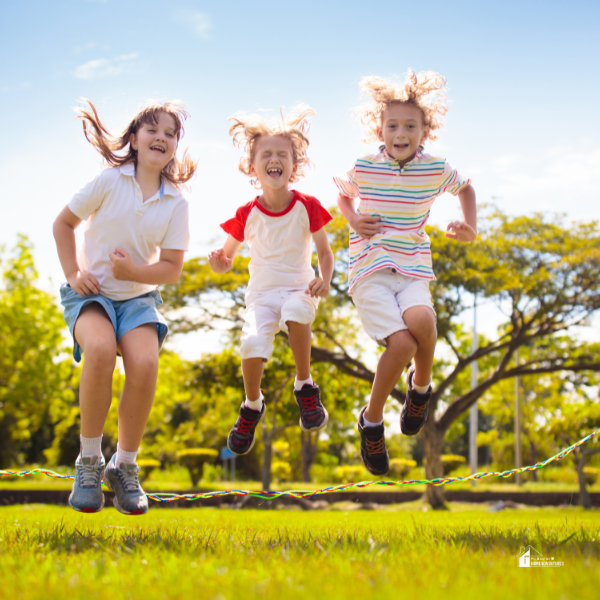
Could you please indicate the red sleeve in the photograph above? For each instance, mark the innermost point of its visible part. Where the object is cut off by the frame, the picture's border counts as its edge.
(317, 216)
(236, 226)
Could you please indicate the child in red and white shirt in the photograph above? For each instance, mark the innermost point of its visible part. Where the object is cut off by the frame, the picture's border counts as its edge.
(283, 292)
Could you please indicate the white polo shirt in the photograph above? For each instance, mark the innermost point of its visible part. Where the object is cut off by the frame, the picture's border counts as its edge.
(116, 217)
(280, 243)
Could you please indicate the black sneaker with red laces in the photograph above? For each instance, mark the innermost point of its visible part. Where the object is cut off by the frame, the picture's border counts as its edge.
(372, 447)
(241, 436)
(415, 407)
(313, 415)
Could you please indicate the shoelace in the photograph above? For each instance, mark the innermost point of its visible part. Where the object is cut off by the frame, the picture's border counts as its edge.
(309, 403)
(129, 479)
(376, 447)
(244, 426)
(414, 410)
(89, 475)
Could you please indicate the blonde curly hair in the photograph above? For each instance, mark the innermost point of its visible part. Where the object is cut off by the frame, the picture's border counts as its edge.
(247, 130)
(426, 91)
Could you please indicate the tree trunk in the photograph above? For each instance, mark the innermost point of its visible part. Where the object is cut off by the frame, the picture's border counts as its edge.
(267, 455)
(584, 496)
(534, 476)
(434, 442)
(309, 450)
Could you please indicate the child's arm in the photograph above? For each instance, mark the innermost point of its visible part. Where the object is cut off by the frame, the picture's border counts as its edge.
(220, 260)
(465, 231)
(319, 286)
(365, 225)
(82, 282)
(166, 270)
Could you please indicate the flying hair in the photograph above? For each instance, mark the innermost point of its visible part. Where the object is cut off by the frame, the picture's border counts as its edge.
(247, 130)
(426, 91)
(176, 171)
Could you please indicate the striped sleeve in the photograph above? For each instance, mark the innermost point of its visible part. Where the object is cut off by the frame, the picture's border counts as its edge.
(452, 181)
(347, 184)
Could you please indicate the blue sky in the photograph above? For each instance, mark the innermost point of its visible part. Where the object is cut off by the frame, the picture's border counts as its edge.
(523, 85)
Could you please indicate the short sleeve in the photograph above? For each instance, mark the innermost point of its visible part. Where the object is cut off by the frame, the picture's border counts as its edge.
(177, 236)
(89, 198)
(452, 181)
(318, 216)
(236, 226)
(347, 184)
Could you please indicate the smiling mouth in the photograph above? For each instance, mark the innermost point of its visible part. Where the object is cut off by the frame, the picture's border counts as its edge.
(401, 146)
(274, 172)
(158, 149)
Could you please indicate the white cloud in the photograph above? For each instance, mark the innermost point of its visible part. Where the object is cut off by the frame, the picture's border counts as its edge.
(15, 87)
(200, 23)
(106, 67)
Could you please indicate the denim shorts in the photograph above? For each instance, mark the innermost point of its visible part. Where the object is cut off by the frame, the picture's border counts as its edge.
(124, 315)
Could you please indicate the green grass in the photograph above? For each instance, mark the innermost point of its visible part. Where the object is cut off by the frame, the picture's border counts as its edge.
(51, 552)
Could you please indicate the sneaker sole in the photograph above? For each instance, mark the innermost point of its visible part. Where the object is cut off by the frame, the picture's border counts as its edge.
(253, 440)
(86, 510)
(116, 503)
(321, 426)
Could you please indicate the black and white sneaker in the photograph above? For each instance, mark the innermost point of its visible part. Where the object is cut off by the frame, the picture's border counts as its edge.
(313, 415)
(415, 407)
(372, 447)
(241, 436)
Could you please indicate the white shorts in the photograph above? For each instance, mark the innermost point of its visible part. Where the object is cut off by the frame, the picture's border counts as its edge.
(383, 296)
(267, 313)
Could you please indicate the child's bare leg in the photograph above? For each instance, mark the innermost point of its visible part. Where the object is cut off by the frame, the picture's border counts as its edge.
(300, 338)
(421, 323)
(139, 349)
(96, 336)
(400, 349)
(252, 370)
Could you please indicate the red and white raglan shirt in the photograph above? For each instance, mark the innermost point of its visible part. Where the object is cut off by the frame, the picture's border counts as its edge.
(280, 243)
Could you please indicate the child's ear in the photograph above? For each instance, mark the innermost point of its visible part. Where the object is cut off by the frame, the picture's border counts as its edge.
(379, 133)
(133, 141)
(425, 136)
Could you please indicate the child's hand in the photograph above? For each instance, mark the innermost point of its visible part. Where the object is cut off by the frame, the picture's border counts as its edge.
(460, 232)
(122, 265)
(317, 288)
(84, 283)
(219, 261)
(366, 225)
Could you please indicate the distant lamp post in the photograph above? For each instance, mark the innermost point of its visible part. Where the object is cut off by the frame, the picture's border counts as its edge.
(518, 424)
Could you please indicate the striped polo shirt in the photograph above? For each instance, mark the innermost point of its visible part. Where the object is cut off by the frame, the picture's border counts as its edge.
(402, 197)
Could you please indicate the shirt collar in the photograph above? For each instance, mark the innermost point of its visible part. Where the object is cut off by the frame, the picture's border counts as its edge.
(390, 159)
(166, 187)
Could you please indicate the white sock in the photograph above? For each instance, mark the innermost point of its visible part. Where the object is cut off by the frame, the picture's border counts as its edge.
(369, 424)
(255, 404)
(125, 457)
(421, 389)
(91, 446)
(300, 383)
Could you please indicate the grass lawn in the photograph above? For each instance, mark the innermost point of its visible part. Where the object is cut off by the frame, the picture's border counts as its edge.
(51, 552)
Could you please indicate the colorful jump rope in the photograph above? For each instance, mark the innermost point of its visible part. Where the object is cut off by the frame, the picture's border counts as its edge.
(271, 495)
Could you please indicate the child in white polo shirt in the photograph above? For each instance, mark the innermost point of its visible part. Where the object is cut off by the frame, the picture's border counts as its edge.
(283, 292)
(390, 254)
(135, 238)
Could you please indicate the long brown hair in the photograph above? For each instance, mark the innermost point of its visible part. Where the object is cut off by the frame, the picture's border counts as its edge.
(177, 171)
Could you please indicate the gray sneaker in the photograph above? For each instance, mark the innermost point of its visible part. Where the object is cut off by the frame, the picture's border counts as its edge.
(87, 495)
(130, 498)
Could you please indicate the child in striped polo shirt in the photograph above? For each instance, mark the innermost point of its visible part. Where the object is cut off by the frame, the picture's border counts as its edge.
(390, 255)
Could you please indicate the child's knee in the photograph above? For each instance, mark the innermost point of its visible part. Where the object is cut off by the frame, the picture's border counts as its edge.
(142, 366)
(402, 343)
(100, 354)
(421, 323)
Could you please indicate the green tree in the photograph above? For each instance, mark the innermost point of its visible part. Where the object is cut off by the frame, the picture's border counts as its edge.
(31, 372)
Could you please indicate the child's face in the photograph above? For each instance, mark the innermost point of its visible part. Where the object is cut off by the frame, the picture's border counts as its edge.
(273, 162)
(402, 131)
(156, 143)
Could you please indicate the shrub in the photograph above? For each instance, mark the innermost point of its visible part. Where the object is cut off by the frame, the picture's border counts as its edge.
(400, 467)
(451, 462)
(193, 460)
(349, 474)
(147, 465)
(281, 470)
(591, 475)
